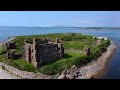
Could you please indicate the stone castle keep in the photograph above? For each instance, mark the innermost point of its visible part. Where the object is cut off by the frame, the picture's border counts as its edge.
(40, 51)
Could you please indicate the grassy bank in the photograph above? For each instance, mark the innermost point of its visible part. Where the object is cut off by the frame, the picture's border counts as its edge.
(72, 44)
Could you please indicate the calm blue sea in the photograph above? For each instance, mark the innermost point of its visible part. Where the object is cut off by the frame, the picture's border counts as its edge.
(113, 69)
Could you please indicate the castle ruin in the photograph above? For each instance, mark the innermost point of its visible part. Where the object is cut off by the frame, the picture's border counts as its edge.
(40, 51)
(87, 52)
(11, 55)
(9, 45)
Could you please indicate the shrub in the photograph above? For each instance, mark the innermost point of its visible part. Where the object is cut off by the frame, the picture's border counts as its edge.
(67, 38)
(97, 53)
(3, 52)
(23, 65)
(103, 49)
(103, 46)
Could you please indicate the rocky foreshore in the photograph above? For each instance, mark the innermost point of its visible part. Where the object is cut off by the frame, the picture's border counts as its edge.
(92, 69)
(84, 72)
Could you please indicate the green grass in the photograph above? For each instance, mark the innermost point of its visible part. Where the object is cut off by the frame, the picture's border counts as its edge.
(77, 42)
(0, 47)
(59, 65)
(23, 65)
(19, 63)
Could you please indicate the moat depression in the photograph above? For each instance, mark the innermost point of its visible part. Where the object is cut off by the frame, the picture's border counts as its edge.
(113, 67)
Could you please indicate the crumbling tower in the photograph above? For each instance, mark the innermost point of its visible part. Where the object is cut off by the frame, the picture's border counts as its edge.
(40, 51)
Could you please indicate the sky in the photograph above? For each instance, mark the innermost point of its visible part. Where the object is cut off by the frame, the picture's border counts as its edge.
(60, 18)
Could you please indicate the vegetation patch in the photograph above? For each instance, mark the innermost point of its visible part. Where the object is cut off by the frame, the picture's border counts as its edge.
(77, 42)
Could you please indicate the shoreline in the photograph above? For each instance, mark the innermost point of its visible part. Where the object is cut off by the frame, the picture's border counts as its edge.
(92, 69)
(9, 39)
(5, 74)
(96, 69)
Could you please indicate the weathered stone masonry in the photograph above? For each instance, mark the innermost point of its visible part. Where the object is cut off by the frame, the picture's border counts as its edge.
(40, 51)
(9, 45)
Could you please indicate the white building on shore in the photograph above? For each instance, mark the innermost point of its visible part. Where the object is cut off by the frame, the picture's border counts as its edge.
(105, 38)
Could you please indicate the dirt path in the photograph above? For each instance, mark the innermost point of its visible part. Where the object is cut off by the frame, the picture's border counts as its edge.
(5, 75)
(98, 42)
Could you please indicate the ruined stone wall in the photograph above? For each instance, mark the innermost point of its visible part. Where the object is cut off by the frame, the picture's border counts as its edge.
(87, 51)
(41, 51)
(9, 45)
(33, 55)
(61, 50)
(40, 41)
(4, 46)
(46, 53)
(11, 55)
(27, 52)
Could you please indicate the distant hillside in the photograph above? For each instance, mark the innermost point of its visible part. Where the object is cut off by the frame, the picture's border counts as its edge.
(102, 27)
(115, 28)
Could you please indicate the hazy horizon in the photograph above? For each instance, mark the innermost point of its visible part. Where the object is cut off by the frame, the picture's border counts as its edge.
(60, 18)
(66, 26)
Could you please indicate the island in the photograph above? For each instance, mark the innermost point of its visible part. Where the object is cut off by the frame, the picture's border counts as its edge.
(55, 56)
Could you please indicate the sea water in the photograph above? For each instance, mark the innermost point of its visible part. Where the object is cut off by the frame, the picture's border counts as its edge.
(113, 67)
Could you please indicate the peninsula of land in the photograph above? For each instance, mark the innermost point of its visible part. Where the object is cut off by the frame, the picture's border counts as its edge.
(77, 63)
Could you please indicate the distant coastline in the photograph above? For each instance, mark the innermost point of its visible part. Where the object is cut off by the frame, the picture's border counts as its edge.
(80, 27)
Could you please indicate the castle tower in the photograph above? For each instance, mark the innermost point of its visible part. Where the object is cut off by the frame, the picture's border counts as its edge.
(33, 53)
(41, 51)
(27, 51)
(57, 40)
(61, 50)
(30, 52)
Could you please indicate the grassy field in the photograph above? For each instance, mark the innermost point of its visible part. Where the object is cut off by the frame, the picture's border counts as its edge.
(76, 43)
